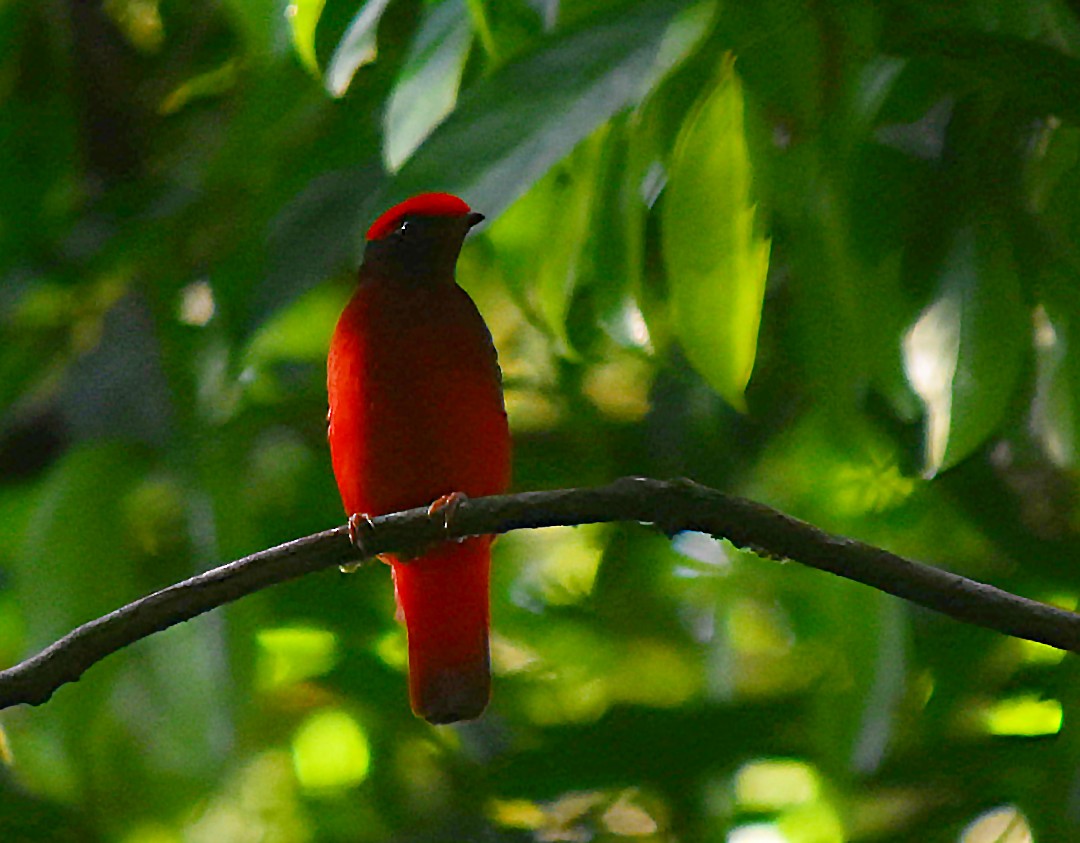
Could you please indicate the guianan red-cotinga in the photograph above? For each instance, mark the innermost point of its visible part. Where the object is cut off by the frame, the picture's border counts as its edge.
(417, 416)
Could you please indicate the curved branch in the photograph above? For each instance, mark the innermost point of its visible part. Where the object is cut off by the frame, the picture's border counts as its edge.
(670, 506)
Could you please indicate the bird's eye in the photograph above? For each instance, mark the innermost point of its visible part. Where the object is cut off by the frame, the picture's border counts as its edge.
(404, 227)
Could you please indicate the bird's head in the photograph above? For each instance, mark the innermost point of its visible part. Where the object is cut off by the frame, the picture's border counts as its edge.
(420, 238)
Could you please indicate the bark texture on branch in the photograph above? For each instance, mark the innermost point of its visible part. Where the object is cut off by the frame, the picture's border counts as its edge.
(671, 506)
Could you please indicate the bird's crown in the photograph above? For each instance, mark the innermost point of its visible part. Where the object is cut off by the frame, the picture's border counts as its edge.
(421, 205)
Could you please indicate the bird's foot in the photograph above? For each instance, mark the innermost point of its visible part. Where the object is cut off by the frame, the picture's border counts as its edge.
(447, 505)
(360, 527)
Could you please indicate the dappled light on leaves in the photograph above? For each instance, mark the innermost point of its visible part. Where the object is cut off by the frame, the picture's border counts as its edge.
(854, 222)
(620, 389)
(703, 548)
(755, 652)
(418, 767)
(258, 804)
(930, 350)
(963, 354)
(153, 512)
(531, 409)
(876, 485)
(999, 825)
(1032, 652)
(196, 304)
(140, 21)
(518, 813)
(625, 818)
(816, 822)
(1055, 413)
(757, 833)
(510, 656)
(578, 677)
(294, 654)
(330, 751)
(392, 649)
(654, 674)
(1025, 715)
(570, 691)
(562, 564)
(582, 816)
(756, 629)
(773, 785)
(153, 833)
(6, 758)
(789, 794)
(852, 477)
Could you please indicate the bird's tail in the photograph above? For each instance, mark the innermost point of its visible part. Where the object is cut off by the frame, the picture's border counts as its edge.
(444, 598)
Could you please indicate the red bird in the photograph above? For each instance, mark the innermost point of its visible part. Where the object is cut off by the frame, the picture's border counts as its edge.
(416, 416)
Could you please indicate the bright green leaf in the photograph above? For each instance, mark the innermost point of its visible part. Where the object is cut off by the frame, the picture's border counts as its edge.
(716, 261)
(963, 354)
(303, 18)
(427, 86)
(357, 48)
(1025, 715)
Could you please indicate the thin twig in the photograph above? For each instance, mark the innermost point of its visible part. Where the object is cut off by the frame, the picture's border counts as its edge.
(671, 506)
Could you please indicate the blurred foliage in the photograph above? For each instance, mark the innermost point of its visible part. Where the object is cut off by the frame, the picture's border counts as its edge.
(820, 254)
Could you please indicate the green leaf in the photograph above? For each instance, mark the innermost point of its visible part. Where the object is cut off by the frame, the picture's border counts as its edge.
(716, 261)
(260, 22)
(510, 128)
(303, 18)
(357, 48)
(301, 331)
(611, 263)
(963, 354)
(315, 235)
(66, 581)
(427, 87)
(541, 237)
(1055, 406)
(855, 715)
(1033, 76)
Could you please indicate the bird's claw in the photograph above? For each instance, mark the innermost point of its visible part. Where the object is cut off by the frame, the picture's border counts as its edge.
(447, 505)
(360, 527)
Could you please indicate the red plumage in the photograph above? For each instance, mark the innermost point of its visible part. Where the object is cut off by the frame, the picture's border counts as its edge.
(416, 413)
(424, 205)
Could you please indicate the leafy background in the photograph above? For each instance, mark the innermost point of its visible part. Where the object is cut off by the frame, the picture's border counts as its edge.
(819, 254)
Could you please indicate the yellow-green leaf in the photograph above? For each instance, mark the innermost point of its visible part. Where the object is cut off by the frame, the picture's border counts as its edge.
(716, 261)
(303, 17)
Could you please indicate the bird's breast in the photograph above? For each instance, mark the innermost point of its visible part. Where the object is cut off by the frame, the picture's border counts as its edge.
(416, 407)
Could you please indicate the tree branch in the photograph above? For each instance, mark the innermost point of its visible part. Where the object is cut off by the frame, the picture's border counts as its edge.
(670, 506)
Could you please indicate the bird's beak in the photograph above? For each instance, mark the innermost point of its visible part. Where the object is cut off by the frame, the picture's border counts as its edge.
(474, 219)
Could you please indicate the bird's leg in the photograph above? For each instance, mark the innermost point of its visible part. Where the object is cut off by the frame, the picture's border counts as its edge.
(360, 526)
(447, 505)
